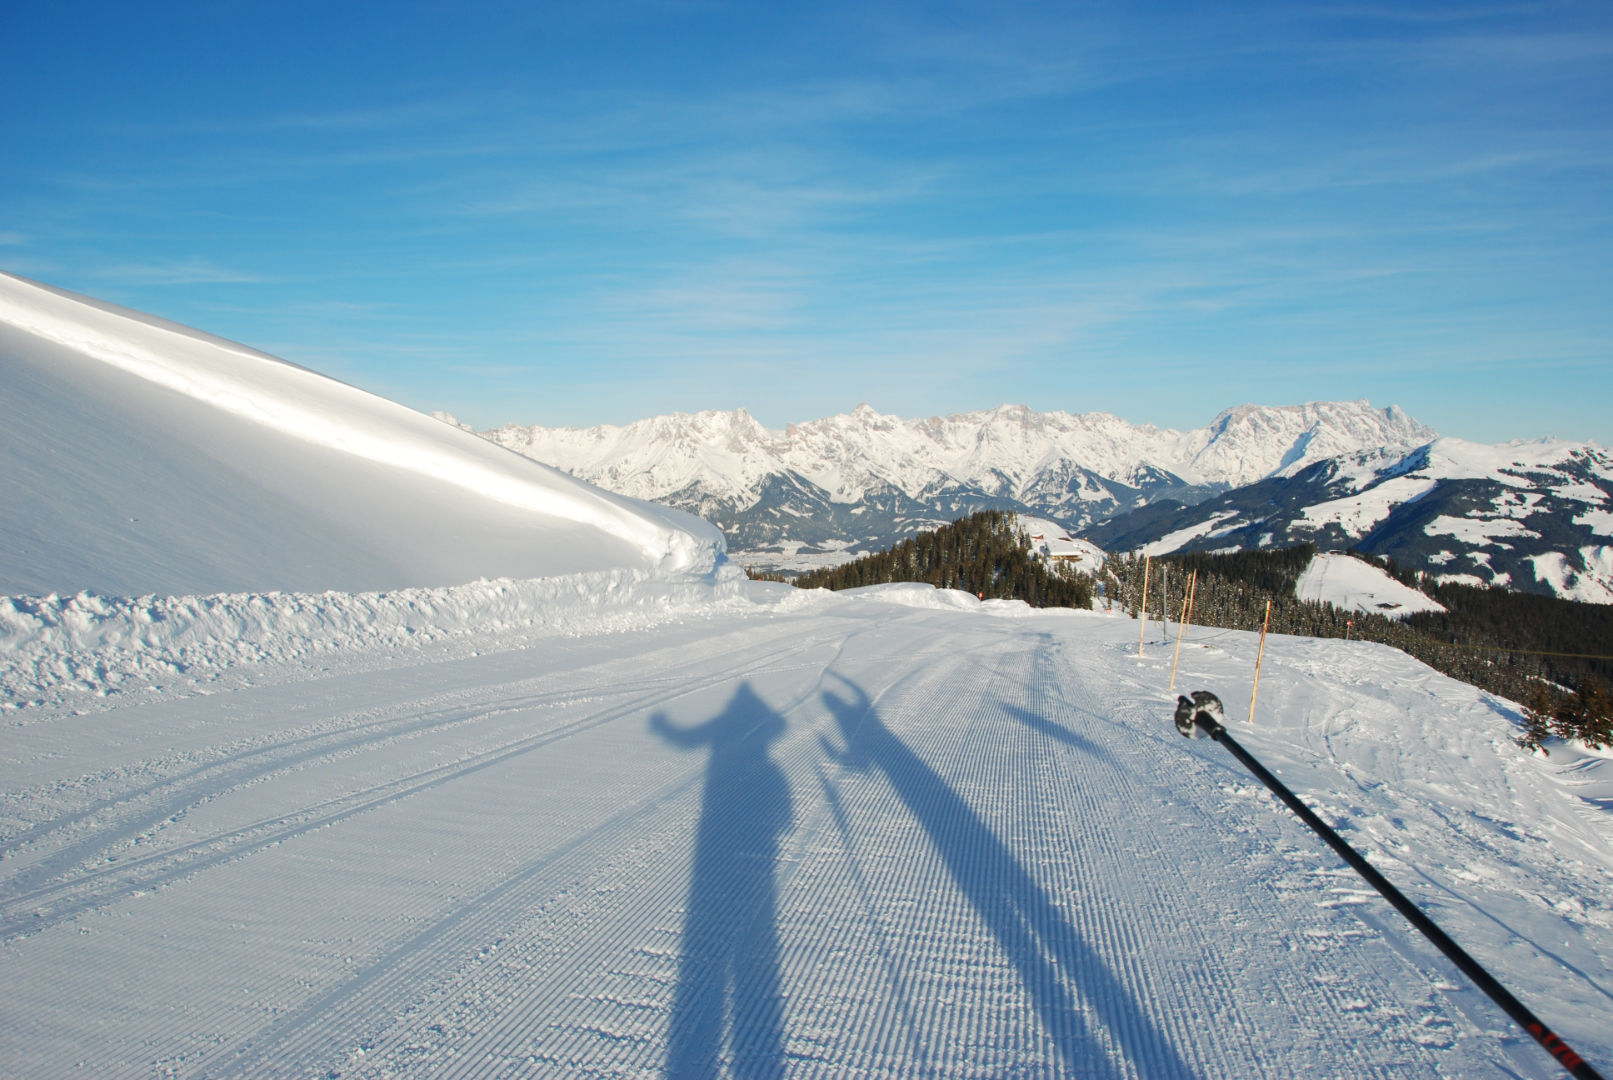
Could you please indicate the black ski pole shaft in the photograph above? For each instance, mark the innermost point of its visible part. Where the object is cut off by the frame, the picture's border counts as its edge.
(1201, 710)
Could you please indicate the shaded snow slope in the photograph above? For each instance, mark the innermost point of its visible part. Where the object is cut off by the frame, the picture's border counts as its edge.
(799, 834)
(1352, 585)
(144, 457)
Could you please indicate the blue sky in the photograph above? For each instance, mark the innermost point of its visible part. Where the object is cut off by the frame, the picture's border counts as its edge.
(579, 214)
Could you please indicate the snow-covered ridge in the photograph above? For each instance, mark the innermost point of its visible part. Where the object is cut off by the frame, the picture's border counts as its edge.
(1458, 459)
(1532, 514)
(313, 410)
(1010, 450)
(57, 647)
(1548, 494)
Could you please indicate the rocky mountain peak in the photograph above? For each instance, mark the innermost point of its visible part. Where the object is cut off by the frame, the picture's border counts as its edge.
(1074, 467)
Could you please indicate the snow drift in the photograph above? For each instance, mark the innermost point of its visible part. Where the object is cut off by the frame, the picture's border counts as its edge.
(64, 649)
(146, 457)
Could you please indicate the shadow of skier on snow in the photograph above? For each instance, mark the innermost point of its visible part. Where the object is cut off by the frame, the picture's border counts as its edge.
(1054, 730)
(728, 973)
(1046, 951)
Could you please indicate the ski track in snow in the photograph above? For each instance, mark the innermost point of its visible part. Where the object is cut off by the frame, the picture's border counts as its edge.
(823, 838)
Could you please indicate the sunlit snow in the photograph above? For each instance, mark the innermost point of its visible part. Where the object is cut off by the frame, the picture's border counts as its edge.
(1353, 585)
(1479, 531)
(1176, 540)
(147, 457)
(1593, 584)
(1357, 514)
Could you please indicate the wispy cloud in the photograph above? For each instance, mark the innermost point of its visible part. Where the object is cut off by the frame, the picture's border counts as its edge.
(312, 310)
(1433, 14)
(1554, 52)
(734, 205)
(720, 303)
(404, 116)
(186, 271)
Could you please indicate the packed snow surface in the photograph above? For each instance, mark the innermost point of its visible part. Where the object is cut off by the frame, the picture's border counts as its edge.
(1353, 585)
(774, 832)
(144, 457)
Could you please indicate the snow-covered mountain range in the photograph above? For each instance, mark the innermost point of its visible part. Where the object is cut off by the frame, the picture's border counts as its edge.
(864, 479)
(1532, 515)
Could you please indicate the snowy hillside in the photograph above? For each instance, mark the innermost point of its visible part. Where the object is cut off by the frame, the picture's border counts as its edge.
(1532, 515)
(1352, 585)
(144, 457)
(1050, 540)
(868, 478)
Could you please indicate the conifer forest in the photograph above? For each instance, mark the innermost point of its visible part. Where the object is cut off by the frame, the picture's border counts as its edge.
(1554, 656)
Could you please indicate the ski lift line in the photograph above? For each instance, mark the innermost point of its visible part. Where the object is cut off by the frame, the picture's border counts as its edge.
(1522, 652)
(1443, 645)
(1204, 711)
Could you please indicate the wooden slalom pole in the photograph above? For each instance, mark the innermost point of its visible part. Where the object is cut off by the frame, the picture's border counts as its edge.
(1261, 655)
(1143, 629)
(1181, 627)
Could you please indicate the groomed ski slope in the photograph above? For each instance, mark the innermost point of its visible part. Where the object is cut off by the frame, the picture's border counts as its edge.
(773, 833)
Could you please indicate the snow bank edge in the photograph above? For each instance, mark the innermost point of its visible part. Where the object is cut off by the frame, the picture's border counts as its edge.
(53, 647)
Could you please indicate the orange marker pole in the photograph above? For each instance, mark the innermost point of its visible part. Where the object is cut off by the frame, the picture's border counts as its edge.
(1143, 629)
(1258, 658)
(1181, 627)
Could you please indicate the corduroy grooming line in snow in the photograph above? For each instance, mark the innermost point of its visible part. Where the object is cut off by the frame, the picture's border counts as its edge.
(1203, 711)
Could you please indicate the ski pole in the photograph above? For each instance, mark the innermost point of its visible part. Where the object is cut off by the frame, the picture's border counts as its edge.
(1204, 710)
